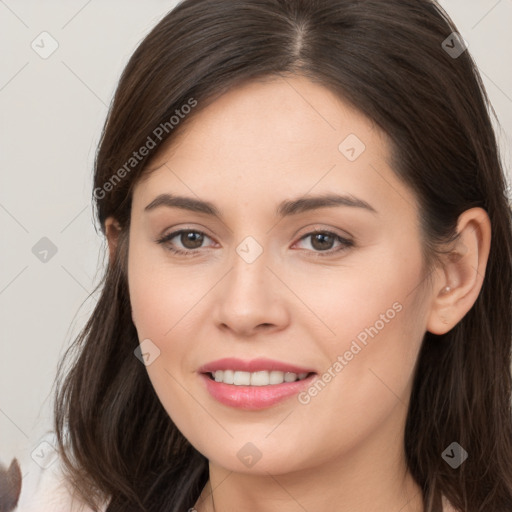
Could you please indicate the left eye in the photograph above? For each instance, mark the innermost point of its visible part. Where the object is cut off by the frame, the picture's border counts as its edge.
(322, 241)
(192, 240)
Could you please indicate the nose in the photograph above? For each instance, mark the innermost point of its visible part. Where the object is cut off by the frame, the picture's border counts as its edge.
(251, 299)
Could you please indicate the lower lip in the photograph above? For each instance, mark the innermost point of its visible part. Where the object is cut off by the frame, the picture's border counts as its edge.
(254, 397)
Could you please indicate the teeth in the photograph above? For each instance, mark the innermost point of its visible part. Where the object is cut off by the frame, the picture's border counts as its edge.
(228, 376)
(241, 379)
(262, 378)
(276, 377)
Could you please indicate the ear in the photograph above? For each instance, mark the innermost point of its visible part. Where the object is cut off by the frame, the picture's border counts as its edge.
(112, 230)
(459, 281)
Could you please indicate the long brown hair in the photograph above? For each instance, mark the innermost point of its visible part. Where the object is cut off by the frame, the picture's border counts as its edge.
(390, 60)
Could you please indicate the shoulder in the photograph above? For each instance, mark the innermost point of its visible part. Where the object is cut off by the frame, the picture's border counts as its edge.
(44, 485)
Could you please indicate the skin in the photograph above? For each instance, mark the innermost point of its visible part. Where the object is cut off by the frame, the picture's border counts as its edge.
(257, 145)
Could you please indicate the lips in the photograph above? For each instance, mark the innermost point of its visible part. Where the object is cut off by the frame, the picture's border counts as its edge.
(256, 395)
(254, 365)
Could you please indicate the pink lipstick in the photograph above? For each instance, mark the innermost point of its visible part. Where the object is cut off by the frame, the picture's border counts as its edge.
(255, 384)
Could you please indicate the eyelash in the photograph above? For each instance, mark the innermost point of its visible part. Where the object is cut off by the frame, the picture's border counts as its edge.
(195, 252)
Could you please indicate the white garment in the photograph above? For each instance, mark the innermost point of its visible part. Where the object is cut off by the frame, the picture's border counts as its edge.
(44, 487)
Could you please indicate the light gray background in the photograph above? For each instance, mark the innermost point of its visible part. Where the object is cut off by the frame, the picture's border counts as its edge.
(51, 114)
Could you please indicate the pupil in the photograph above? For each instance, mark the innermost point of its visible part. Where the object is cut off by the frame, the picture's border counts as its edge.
(322, 237)
(194, 238)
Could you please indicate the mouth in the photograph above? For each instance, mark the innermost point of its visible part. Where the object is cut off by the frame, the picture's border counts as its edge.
(259, 378)
(256, 384)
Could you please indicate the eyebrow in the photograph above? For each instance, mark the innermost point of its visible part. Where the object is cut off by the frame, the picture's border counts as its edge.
(285, 208)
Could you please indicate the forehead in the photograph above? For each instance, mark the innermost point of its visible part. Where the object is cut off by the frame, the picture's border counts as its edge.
(292, 110)
(274, 138)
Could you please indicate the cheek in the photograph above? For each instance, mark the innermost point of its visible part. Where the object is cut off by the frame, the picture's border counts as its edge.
(379, 320)
(373, 298)
(162, 300)
(158, 307)
(157, 310)
(160, 294)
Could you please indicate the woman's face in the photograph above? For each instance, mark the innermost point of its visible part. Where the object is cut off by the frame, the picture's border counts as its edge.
(347, 306)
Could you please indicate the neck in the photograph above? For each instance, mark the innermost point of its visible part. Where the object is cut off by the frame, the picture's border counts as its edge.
(370, 478)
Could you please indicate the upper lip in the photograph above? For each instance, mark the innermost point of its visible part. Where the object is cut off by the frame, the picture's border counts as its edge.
(253, 365)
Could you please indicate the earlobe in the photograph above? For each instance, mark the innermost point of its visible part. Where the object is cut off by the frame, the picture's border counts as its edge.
(112, 230)
(463, 268)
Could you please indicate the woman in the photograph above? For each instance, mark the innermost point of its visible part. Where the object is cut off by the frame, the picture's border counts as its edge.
(303, 309)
